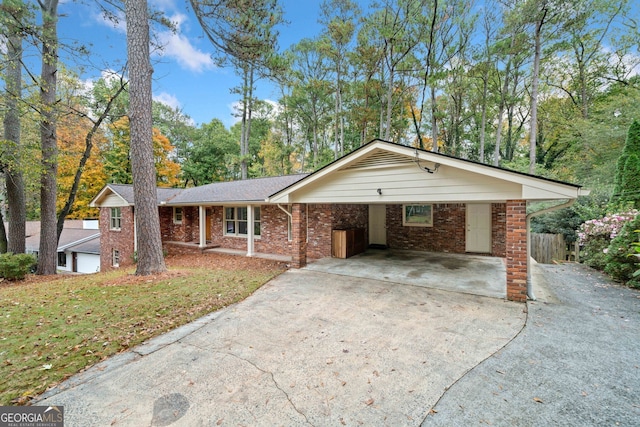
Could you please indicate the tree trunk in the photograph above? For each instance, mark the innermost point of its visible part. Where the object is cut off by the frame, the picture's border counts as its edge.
(483, 120)
(503, 101)
(249, 114)
(434, 120)
(15, 241)
(149, 243)
(3, 235)
(387, 130)
(533, 134)
(48, 250)
(243, 127)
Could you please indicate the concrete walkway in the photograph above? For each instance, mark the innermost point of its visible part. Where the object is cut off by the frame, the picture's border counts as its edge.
(576, 363)
(308, 348)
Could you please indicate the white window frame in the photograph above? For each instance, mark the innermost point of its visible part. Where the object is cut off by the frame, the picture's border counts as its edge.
(115, 218)
(115, 258)
(178, 215)
(414, 215)
(236, 221)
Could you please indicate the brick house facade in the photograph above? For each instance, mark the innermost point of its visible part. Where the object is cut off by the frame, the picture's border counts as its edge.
(294, 216)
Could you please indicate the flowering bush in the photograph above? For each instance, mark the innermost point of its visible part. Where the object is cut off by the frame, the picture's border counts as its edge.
(620, 262)
(607, 227)
(596, 235)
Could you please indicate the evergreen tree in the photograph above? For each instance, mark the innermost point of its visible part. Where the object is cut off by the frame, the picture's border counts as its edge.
(627, 182)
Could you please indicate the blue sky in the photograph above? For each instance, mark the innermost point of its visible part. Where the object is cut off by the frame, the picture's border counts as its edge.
(184, 73)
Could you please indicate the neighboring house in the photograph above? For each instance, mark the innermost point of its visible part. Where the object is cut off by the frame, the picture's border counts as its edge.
(396, 196)
(78, 247)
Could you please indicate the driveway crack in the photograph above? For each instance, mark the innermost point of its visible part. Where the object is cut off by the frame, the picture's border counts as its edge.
(273, 379)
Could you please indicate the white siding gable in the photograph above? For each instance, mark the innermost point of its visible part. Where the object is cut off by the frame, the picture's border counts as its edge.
(387, 173)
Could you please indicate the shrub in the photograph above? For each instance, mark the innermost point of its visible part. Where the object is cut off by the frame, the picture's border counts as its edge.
(16, 266)
(620, 262)
(636, 249)
(596, 235)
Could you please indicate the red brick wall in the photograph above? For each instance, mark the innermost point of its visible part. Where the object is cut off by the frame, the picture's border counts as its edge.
(121, 240)
(319, 231)
(446, 235)
(326, 217)
(498, 229)
(299, 238)
(187, 231)
(516, 250)
(273, 231)
(274, 237)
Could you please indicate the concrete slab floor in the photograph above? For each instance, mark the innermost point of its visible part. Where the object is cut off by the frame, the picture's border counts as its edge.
(471, 274)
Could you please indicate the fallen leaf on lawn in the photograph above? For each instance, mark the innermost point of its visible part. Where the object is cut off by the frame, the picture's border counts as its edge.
(537, 400)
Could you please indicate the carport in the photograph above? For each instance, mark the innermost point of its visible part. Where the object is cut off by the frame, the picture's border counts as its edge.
(405, 198)
(470, 274)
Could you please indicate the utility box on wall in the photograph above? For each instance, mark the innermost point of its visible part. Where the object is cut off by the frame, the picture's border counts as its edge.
(347, 243)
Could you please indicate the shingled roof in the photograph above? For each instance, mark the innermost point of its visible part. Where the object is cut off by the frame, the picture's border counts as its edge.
(248, 190)
(126, 192)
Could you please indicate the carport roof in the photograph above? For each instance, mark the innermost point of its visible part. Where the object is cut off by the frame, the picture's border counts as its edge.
(386, 172)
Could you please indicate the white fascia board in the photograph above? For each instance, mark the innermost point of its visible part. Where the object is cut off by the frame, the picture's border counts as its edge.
(103, 193)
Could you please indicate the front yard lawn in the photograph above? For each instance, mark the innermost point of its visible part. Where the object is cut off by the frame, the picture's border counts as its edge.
(53, 327)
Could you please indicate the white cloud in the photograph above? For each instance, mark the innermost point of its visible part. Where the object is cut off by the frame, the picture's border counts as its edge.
(175, 45)
(168, 99)
(178, 47)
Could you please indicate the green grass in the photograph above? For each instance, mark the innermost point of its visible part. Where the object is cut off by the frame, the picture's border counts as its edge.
(54, 329)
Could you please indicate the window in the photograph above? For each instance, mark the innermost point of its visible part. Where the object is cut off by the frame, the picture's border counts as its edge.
(116, 219)
(236, 218)
(62, 259)
(417, 215)
(115, 258)
(177, 215)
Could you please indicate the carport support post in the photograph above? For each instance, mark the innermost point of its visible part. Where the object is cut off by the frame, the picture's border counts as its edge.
(202, 226)
(299, 235)
(516, 250)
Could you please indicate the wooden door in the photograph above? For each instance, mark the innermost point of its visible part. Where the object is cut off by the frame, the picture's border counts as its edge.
(378, 225)
(478, 233)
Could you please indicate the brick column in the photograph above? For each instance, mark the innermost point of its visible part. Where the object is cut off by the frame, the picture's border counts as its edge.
(299, 234)
(516, 252)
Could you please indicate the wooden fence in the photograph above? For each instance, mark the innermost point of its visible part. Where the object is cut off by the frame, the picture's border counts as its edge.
(550, 248)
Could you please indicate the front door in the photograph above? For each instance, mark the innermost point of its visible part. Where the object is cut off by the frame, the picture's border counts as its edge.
(378, 225)
(478, 236)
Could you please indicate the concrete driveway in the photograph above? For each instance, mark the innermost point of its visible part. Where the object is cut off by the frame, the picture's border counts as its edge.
(472, 274)
(308, 348)
(576, 363)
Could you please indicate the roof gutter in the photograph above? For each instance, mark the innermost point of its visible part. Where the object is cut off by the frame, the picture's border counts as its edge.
(567, 204)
